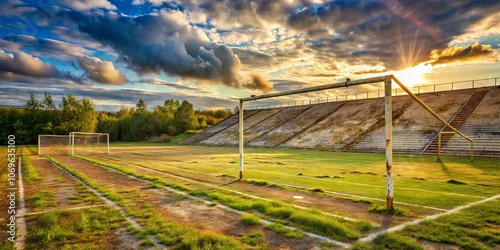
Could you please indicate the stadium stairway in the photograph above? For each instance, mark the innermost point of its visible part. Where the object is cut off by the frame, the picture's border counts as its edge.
(457, 121)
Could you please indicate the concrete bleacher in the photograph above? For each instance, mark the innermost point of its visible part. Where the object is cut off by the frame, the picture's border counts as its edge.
(416, 127)
(229, 135)
(359, 125)
(296, 125)
(345, 126)
(483, 126)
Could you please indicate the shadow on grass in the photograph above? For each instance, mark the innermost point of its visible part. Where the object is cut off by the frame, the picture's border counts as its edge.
(445, 168)
(224, 185)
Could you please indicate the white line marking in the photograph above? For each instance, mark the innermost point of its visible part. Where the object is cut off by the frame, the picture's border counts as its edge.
(367, 185)
(342, 244)
(364, 197)
(430, 217)
(64, 209)
(108, 202)
(233, 191)
(21, 233)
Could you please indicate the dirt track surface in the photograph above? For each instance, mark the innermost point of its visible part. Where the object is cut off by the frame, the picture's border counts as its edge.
(55, 180)
(180, 209)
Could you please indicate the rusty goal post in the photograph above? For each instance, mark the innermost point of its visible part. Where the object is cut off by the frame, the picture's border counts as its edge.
(388, 81)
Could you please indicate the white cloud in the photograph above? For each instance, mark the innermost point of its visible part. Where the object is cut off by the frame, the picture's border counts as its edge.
(83, 5)
(25, 64)
(101, 71)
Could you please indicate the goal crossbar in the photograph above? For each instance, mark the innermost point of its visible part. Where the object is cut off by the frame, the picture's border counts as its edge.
(387, 79)
(72, 139)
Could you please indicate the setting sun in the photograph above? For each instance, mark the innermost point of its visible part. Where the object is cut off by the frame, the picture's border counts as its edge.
(413, 75)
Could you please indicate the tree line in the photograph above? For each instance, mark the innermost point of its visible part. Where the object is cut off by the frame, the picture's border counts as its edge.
(128, 124)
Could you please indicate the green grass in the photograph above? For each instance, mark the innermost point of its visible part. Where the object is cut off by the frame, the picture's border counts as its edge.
(155, 181)
(41, 199)
(309, 219)
(282, 230)
(169, 233)
(250, 220)
(105, 191)
(383, 210)
(476, 227)
(77, 228)
(254, 238)
(86, 196)
(388, 241)
(418, 179)
(412, 173)
(30, 174)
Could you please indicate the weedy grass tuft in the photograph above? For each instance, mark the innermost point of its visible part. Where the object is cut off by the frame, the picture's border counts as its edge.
(282, 230)
(472, 228)
(155, 181)
(41, 199)
(383, 210)
(83, 228)
(250, 220)
(30, 174)
(254, 238)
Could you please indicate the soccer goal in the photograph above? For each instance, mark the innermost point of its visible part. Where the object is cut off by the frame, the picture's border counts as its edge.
(387, 80)
(88, 143)
(54, 144)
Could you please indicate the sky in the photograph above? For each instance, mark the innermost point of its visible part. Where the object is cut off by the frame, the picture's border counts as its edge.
(211, 53)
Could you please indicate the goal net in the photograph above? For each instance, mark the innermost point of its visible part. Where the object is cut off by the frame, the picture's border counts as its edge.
(54, 144)
(89, 143)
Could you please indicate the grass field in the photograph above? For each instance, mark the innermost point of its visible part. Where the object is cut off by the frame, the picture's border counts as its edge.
(194, 194)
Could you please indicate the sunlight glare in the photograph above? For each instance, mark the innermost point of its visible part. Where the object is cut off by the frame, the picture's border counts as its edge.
(411, 76)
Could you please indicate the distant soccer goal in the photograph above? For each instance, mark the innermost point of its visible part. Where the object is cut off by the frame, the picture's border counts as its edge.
(54, 144)
(89, 143)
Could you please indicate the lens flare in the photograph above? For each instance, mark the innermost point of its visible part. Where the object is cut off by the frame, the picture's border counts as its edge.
(414, 75)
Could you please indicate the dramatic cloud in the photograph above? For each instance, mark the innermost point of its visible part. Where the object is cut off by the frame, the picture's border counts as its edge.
(46, 47)
(87, 4)
(460, 54)
(101, 71)
(26, 65)
(179, 86)
(15, 8)
(168, 43)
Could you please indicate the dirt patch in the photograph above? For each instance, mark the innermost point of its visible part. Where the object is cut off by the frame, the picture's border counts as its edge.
(57, 181)
(335, 204)
(178, 209)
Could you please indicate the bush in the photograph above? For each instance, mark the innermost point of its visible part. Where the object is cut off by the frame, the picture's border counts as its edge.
(161, 138)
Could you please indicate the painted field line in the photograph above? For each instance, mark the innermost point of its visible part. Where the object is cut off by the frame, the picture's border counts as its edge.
(107, 201)
(316, 179)
(366, 185)
(64, 209)
(21, 232)
(276, 183)
(363, 197)
(230, 190)
(430, 217)
(343, 244)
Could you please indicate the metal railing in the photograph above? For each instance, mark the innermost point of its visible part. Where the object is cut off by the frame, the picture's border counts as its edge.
(468, 84)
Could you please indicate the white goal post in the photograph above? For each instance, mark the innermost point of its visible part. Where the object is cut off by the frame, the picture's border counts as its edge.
(85, 143)
(54, 144)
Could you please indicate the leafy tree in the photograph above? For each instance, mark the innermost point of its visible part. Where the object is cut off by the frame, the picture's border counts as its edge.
(77, 115)
(47, 102)
(185, 117)
(32, 103)
(141, 105)
(109, 124)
